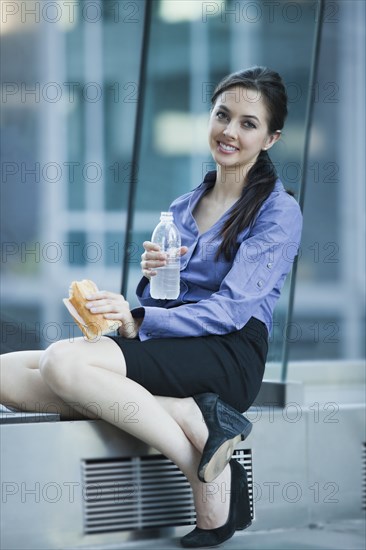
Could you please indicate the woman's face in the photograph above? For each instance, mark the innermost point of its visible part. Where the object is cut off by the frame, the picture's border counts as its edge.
(238, 128)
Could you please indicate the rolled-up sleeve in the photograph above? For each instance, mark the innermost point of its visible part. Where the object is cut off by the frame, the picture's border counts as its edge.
(259, 268)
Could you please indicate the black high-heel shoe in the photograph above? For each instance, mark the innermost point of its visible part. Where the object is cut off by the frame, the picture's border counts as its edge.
(226, 427)
(243, 513)
(239, 514)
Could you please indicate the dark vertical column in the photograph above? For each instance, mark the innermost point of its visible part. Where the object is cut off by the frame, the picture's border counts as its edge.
(308, 123)
(137, 142)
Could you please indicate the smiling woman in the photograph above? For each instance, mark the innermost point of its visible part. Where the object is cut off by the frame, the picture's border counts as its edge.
(234, 130)
(248, 112)
(203, 354)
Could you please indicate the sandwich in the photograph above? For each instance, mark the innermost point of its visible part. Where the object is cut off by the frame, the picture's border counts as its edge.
(93, 325)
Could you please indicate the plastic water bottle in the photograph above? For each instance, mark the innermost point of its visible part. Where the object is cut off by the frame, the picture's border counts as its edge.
(165, 284)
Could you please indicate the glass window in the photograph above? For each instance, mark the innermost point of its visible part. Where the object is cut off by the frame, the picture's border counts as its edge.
(189, 52)
(329, 309)
(77, 247)
(66, 146)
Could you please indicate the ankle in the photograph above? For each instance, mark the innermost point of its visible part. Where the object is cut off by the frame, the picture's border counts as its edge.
(212, 501)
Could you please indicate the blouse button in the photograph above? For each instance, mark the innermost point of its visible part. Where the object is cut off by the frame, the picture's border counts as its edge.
(260, 284)
(269, 265)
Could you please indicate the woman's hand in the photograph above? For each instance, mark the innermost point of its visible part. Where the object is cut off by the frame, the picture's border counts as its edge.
(113, 306)
(153, 258)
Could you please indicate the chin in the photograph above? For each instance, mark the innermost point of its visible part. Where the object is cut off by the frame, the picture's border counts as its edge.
(228, 162)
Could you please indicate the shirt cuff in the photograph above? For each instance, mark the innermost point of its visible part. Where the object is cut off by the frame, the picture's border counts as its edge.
(155, 322)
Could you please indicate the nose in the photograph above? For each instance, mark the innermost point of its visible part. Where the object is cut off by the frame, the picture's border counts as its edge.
(230, 130)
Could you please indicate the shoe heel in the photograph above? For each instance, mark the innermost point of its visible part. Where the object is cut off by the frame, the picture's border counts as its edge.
(243, 515)
(219, 461)
(246, 431)
(226, 427)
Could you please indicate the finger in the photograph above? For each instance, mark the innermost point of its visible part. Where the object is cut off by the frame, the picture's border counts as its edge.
(148, 273)
(97, 303)
(108, 308)
(116, 316)
(100, 309)
(183, 250)
(148, 245)
(150, 264)
(115, 301)
(99, 295)
(155, 256)
(103, 297)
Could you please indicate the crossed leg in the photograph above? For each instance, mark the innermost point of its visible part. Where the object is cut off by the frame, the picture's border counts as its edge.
(82, 379)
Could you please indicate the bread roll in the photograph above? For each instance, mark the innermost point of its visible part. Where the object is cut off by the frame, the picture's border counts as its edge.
(93, 325)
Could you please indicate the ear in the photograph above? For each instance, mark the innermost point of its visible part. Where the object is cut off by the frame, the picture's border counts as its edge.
(271, 140)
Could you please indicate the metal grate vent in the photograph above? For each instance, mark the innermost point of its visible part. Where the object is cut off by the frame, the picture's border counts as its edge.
(140, 493)
(363, 460)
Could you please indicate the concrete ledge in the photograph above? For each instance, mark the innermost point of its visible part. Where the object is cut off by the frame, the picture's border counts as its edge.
(9, 416)
(321, 372)
(307, 468)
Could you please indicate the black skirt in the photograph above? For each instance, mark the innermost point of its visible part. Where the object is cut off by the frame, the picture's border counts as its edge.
(231, 365)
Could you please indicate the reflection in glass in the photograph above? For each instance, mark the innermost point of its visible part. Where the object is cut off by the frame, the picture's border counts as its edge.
(67, 194)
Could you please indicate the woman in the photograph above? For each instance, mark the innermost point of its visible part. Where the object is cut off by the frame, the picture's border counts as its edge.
(202, 355)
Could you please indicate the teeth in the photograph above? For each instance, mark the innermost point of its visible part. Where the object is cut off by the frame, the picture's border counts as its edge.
(227, 147)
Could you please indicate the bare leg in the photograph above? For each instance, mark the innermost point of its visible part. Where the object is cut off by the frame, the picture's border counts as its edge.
(23, 388)
(77, 372)
(187, 414)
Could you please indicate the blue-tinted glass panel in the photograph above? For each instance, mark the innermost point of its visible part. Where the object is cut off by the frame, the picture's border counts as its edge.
(77, 248)
(190, 50)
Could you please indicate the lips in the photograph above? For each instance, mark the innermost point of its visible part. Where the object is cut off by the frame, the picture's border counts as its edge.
(226, 148)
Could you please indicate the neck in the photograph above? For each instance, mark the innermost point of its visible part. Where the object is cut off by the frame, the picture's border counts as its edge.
(230, 183)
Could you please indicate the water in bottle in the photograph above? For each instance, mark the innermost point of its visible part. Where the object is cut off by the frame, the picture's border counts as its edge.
(165, 284)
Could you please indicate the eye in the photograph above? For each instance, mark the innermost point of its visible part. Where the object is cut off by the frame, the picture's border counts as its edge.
(221, 115)
(248, 124)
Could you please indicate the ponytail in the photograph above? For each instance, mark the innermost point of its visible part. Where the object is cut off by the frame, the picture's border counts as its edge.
(261, 180)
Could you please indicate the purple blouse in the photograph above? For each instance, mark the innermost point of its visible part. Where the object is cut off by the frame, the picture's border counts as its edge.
(218, 297)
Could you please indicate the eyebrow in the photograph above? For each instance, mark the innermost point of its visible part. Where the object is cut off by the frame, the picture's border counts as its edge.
(241, 116)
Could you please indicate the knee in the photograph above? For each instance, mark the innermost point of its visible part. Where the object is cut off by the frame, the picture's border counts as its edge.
(59, 367)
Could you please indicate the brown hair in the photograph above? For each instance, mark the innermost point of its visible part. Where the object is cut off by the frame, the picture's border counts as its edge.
(261, 177)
